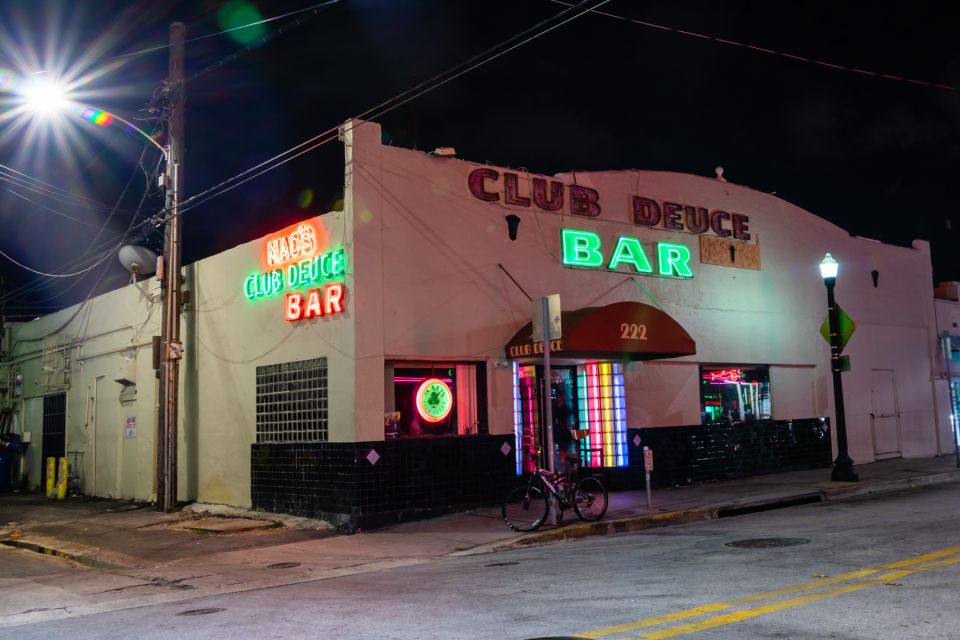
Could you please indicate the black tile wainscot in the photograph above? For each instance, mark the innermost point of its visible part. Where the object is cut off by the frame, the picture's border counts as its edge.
(701, 453)
(366, 484)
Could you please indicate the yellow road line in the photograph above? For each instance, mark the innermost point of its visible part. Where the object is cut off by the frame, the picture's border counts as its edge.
(803, 586)
(746, 614)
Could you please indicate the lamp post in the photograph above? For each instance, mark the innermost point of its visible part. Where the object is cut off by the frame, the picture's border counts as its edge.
(46, 97)
(843, 469)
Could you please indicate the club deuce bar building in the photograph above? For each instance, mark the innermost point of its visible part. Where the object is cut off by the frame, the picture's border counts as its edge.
(374, 363)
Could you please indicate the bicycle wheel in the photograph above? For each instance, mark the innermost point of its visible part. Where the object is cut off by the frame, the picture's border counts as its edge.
(590, 499)
(525, 508)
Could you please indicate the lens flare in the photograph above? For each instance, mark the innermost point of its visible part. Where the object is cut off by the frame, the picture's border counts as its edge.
(305, 199)
(45, 97)
(97, 117)
(235, 15)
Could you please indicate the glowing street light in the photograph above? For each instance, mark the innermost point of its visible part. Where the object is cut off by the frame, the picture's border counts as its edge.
(45, 97)
(843, 469)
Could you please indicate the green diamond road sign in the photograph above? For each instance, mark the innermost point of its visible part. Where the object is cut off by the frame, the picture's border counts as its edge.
(847, 327)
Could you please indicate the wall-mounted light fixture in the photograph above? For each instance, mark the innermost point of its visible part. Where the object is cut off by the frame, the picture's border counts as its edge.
(513, 222)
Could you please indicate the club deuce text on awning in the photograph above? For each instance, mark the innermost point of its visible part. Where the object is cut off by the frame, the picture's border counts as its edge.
(621, 331)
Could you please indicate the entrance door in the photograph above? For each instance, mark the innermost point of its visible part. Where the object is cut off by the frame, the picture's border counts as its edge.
(563, 401)
(105, 446)
(885, 417)
(54, 441)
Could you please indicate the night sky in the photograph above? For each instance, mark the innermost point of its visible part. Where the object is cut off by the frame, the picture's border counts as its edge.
(875, 155)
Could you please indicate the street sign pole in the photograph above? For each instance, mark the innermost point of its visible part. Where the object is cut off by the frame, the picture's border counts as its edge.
(647, 468)
(548, 403)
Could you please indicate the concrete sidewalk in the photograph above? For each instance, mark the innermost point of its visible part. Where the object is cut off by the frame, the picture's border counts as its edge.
(118, 555)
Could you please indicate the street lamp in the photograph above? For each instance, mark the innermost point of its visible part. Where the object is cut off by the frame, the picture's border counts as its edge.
(843, 469)
(46, 97)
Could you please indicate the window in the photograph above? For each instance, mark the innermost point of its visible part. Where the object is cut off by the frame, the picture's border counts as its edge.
(292, 401)
(435, 399)
(603, 414)
(734, 394)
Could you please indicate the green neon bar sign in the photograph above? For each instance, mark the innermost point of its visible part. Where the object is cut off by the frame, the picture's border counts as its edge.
(322, 268)
(584, 249)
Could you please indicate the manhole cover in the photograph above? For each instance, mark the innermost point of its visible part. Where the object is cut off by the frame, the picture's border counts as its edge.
(283, 565)
(766, 543)
(502, 564)
(201, 612)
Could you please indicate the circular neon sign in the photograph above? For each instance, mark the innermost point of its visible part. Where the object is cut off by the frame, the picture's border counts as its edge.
(434, 400)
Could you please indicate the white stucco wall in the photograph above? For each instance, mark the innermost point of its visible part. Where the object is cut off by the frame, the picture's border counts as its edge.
(231, 336)
(444, 296)
(100, 336)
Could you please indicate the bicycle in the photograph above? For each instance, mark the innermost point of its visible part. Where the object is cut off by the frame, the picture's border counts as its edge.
(526, 507)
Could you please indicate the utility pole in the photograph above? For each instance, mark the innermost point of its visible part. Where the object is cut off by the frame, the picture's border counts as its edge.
(171, 347)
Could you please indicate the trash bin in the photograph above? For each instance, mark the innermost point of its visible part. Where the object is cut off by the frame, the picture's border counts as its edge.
(6, 464)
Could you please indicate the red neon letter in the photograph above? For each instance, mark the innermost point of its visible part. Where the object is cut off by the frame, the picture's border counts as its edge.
(293, 306)
(333, 298)
(313, 304)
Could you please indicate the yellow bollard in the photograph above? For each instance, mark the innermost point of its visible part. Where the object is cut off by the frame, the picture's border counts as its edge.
(51, 476)
(62, 480)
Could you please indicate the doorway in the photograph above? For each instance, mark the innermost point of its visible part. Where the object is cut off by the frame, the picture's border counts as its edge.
(54, 440)
(884, 417)
(563, 398)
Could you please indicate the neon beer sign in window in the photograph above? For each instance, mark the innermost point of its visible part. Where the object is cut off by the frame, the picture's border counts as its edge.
(434, 400)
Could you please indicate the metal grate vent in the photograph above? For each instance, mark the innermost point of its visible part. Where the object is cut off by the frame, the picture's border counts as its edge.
(292, 402)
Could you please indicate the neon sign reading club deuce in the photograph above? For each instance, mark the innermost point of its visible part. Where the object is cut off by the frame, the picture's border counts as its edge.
(295, 261)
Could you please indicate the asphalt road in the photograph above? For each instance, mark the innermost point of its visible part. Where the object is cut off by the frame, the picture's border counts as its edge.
(876, 568)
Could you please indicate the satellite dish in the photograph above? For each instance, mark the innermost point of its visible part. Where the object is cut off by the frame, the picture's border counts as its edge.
(137, 259)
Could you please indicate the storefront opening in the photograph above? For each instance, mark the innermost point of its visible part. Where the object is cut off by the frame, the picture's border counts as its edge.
(587, 398)
(734, 394)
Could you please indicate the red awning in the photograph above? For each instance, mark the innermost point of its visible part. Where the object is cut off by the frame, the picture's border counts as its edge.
(618, 331)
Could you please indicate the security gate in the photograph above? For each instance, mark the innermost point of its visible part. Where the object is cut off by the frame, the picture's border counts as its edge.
(54, 442)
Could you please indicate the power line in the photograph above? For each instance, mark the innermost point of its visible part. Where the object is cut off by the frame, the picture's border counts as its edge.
(51, 210)
(96, 284)
(392, 103)
(44, 188)
(765, 50)
(54, 275)
(262, 41)
(101, 257)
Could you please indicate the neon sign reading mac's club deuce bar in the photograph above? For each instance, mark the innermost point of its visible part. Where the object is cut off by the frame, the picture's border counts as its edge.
(585, 249)
(295, 262)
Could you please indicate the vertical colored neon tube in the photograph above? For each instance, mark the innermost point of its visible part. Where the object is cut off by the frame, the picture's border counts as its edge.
(596, 426)
(606, 402)
(517, 420)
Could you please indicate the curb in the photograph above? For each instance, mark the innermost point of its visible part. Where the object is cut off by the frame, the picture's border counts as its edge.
(713, 512)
